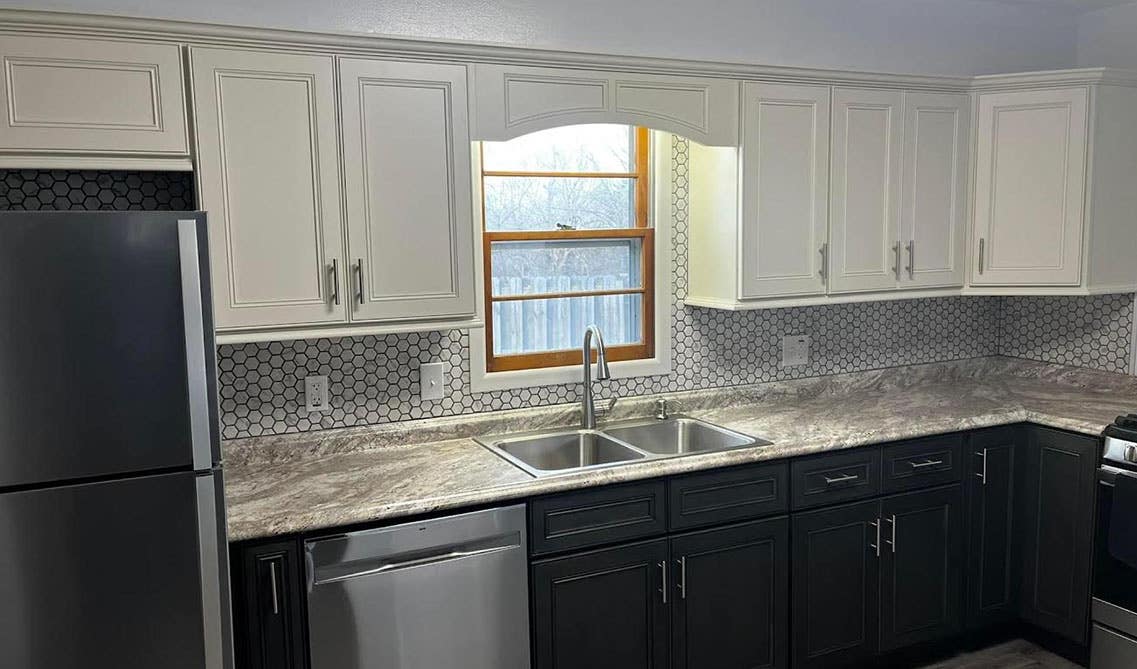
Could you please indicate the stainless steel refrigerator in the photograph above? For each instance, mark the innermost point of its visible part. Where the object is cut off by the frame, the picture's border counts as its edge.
(112, 534)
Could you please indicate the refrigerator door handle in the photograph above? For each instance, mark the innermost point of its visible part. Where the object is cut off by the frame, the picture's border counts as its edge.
(197, 370)
(214, 561)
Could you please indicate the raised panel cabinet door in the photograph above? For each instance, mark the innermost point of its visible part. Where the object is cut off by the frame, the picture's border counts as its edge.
(79, 96)
(268, 585)
(731, 606)
(835, 585)
(1058, 522)
(991, 485)
(934, 200)
(921, 578)
(608, 609)
(1030, 180)
(407, 177)
(868, 129)
(268, 178)
(785, 189)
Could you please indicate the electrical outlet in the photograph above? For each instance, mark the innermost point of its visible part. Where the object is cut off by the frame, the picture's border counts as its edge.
(432, 384)
(316, 394)
(795, 350)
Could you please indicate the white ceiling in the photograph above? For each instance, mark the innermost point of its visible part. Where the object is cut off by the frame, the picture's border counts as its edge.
(1074, 6)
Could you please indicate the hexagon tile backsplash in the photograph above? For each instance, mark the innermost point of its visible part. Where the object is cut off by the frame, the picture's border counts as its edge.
(374, 379)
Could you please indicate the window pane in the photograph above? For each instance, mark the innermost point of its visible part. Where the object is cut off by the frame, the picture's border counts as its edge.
(532, 326)
(540, 203)
(574, 148)
(578, 265)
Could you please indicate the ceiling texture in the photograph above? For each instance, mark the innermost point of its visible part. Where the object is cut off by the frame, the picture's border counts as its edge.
(1072, 6)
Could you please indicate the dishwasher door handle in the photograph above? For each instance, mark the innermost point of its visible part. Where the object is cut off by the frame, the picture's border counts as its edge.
(382, 565)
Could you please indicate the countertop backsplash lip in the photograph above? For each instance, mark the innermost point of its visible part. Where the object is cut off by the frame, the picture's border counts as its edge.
(318, 481)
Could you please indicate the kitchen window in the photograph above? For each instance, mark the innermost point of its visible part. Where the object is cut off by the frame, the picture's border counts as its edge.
(567, 242)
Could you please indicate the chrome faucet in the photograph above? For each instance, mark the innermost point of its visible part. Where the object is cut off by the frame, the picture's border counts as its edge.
(588, 419)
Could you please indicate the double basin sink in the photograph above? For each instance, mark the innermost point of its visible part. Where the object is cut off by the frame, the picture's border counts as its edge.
(565, 451)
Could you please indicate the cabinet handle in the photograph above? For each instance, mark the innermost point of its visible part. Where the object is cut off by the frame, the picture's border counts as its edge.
(824, 271)
(273, 587)
(925, 463)
(896, 260)
(911, 259)
(982, 250)
(876, 547)
(335, 282)
(982, 473)
(892, 519)
(844, 478)
(663, 584)
(682, 577)
(359, 277)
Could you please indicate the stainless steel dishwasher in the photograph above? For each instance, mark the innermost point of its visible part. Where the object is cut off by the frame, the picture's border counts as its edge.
(450, 593)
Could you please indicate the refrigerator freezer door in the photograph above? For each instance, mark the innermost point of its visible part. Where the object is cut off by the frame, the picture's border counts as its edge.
(106, 345)
(113, 575)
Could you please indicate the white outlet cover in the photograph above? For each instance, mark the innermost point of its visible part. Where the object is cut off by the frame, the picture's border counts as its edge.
(795, 350)
(432, 380)
(316, 394)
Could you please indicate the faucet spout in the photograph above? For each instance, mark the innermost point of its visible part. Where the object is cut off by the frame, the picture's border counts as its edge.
(588, 409)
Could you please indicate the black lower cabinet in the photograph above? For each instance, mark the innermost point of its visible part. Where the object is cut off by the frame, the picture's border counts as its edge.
(268, 606)
(731, 597)
(606, 609)
(921, 567)
(835, 586)
(991, 486)
(1057, 530)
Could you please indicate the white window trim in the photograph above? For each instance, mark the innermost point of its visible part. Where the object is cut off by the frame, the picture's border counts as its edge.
(661, 177)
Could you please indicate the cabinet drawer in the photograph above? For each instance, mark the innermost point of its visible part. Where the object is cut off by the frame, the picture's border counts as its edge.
(596, 517)
(838, 477)
(698, 500)
(922, 463)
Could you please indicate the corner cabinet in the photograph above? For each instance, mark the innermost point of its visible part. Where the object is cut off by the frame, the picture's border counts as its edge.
(338, 193)
(1055, 164)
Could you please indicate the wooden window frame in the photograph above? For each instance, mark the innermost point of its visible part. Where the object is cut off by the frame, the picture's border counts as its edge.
(642, 231)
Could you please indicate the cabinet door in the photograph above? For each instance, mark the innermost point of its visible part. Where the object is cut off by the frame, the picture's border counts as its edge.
(603, 610)
(990, 482)
(865, 189)
(1058, 522)
(1030, 188)
(407, 176)
(921, 583)
(836, 575)
(270, 624)
(785, 189)
(79, 96)
(731, 609)
(933, 227)
(268, 177)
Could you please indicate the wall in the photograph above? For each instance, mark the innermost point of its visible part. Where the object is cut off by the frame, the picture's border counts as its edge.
(1108, 37)
(375, 379)
(919, 36)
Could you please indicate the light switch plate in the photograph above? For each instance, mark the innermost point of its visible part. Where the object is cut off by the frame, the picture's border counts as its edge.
(316, 394)
(795, 350)
(432, 384)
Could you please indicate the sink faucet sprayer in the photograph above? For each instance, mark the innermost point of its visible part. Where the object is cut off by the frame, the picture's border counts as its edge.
(588, 420)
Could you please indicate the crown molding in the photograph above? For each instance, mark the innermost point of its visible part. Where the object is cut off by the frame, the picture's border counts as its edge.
(1064, 78)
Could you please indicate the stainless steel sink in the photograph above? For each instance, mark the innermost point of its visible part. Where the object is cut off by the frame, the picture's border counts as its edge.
(546, 453)
(680, 435)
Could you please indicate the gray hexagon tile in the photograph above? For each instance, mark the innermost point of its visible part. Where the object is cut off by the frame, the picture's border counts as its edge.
(1091, 331)
(29, 190)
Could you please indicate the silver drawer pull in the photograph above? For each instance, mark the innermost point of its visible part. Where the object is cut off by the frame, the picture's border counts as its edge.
(844, 478)
(875, 524)
(925, 463)
(663, 583)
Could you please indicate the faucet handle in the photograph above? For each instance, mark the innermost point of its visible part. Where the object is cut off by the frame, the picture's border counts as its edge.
(606, 408)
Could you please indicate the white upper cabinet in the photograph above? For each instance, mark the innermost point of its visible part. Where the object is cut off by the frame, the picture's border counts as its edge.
(82, 96)
(785, 189)
(933, 222)
(268, 177)
(407, 177)
(1030, 187)
(868, 130)
(510, 101)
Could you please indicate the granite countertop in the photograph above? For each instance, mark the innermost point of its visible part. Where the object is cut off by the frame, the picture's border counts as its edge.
(299, 483)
